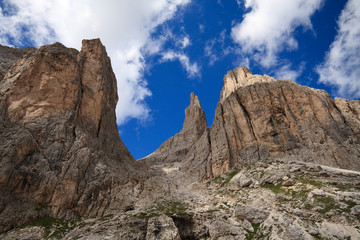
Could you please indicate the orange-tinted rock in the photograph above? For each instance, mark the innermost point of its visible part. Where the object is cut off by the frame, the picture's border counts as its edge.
(259, 117)
(60, 144)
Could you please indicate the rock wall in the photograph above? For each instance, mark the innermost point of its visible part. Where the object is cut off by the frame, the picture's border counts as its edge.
(259, 117)
(60, 147)
(10, 55)
(61, 154)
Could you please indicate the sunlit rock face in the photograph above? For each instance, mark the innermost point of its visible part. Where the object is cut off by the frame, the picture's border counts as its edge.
(60, 146)
(259, 117)
(263, 169)
(240, 77)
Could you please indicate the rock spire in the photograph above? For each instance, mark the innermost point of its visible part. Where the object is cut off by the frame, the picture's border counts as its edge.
(259, 117)
(60, 145)
(175, 148)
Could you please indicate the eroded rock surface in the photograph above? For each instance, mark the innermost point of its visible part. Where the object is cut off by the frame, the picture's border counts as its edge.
(322, 204)
(60, 145)
(177, 147)
(259, 117)
(264, 169)
(10, 55)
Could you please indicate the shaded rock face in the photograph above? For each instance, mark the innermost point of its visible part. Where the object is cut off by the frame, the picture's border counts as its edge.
(10, 55)
(60, 147)
(259, 117)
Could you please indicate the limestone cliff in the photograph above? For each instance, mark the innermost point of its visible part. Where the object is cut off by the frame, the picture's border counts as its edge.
(259, 117)
(60, 148)
(10, 55)
(61, 157)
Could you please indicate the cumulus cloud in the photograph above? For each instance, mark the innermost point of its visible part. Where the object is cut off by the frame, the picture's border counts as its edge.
(341, 67)
(192, 69)
(125, 28)
(267, 29)
(286, 73)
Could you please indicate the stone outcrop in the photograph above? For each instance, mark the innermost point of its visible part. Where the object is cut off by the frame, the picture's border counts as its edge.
(323, 203)
(351, 112)
(240, 77)
(9, 55)
(162, 228)
(259, 117)
(60, 150)
(251, 213)
(258, 172)
(176, 148)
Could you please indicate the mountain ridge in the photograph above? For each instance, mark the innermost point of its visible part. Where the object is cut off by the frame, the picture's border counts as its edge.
(264, 167)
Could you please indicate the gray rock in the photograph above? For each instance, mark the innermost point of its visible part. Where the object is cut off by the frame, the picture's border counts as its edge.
(251, 213)
(224, 230)
(247, 226)
(288, 183)
(162, 228)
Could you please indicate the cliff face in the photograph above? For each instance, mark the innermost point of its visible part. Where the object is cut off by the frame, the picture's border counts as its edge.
(10, 55)
(176, 148)
(259, 117)
(61, 157)
(60, 147)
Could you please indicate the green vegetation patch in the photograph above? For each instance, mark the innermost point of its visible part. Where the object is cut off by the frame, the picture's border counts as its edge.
(54, 228)
(350, 204)
(327, 203)
(228, 179)
(251, 235)
(310, 182)
(103, 218)
(218, 179)
(169, 208)
(259, 232)
(277, 189)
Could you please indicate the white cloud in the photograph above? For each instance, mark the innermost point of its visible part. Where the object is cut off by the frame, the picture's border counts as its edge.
(268, 28)
(341, 67)
(216, 49)
(185, 42)
(192, 69)
(286, 73)
(125, 28)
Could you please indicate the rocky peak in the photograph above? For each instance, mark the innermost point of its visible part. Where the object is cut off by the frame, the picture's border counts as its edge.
(259, 117)
(195, 120)
(175, 148)
(62, 148)
(240, 77)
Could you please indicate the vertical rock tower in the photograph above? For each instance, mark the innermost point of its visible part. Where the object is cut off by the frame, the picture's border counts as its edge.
(176, 148)
(259, 117)
(60, 148)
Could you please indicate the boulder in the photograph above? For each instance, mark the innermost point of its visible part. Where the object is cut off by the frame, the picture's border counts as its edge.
(252, 214)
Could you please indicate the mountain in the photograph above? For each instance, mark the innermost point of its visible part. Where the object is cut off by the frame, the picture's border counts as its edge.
(60, 148)
(259, 117)
(280, 160)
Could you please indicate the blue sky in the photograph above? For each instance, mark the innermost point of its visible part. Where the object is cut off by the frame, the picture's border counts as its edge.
(162, 50)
